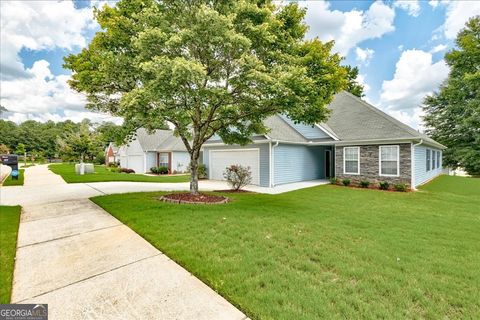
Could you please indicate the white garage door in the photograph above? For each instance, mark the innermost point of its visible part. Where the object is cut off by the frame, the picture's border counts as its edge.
(135, 163)
(220, 159)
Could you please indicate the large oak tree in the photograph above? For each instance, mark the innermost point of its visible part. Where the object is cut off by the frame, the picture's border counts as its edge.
(206, 67)
(453, 114)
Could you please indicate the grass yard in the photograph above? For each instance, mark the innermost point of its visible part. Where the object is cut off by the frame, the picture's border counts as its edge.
(9, 220)
(19, 182)
(326, 252)
(67, 171)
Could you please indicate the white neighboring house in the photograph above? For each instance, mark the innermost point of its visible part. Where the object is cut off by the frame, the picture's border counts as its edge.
(159, 149)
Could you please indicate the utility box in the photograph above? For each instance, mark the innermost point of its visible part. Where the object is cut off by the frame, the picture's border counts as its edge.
(89, 168)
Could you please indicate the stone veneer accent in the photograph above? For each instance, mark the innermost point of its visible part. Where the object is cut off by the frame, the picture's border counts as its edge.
(369, 165)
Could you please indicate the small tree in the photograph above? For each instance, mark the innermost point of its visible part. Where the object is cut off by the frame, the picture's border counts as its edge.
(238, 176)
(79, 145)
(23, 151)
(4, 149)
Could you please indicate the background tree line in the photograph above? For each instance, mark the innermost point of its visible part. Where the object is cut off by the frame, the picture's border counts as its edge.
(67, 140)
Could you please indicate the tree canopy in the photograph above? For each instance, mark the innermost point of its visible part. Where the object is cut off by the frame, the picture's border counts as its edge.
(40, 139)
(207, 67)
(453, 113)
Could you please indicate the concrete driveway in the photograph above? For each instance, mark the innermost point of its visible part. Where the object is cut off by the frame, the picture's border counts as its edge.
(86, 264)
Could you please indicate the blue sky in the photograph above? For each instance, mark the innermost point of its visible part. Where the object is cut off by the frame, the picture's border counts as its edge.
(397, 45)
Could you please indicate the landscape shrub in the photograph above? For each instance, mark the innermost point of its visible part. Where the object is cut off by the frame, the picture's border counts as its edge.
(237, 176)
(154, 170)
(201, 171)
(384, 185)
(99, 158)
(333, 180)
(401, 187)
(112, 165)
(346, 182)
(126, 170)
(163, 170)
(364, 183)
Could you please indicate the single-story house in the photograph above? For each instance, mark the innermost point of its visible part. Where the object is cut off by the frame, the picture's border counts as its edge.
(111, 154)
(358, 142)
(159, 149)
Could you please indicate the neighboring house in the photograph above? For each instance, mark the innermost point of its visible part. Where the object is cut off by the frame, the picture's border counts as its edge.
(358, 142)
(161, 148)
(111, 154)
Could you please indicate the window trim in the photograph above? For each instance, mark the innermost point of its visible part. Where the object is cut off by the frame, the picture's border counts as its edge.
(428, 160)
(358, 161)
(380, 161)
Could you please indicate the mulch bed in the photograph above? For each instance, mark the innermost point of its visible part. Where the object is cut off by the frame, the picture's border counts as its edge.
(188, 198)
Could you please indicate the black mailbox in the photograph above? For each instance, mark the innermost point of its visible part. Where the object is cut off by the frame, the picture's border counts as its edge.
(10, 160)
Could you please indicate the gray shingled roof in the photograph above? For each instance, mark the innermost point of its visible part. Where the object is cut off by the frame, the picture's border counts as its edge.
(159, 140)
(281, 130)
(354, 119)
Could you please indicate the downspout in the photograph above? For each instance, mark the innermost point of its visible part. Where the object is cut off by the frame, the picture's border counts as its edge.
(412, 165)
(272, 164)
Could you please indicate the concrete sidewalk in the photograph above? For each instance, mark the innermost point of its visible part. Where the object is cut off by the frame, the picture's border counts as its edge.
(86, 264)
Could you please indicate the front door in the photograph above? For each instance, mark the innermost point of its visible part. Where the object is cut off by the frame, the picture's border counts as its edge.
(328, 162)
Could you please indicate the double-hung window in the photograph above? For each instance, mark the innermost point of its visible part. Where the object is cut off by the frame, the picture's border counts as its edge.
(351, 160)
(427, 159)
(434, 158)
(389, 160)
(163, 159)
(438, 159)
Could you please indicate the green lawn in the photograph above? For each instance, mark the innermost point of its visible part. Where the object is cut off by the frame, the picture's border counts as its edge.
(9, 220)
(67, 171)
(326, 252)
(19, 182)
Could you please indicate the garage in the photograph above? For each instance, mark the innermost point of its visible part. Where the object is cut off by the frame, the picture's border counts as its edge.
(220, 159)
(135, 162)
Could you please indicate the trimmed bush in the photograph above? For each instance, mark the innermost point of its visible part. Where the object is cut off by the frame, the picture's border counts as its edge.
(401, 187)
(333, 180)
(237, 176)
(201, 171)
(364, 183)
(346, 182)
(159, 170)
(384, 185)
(126, 170)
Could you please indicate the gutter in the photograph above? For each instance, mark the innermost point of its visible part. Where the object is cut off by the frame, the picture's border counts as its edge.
(272, 163)
(412, 161)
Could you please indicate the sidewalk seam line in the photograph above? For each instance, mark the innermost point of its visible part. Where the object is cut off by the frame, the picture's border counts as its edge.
(69, 236)
(89, 277)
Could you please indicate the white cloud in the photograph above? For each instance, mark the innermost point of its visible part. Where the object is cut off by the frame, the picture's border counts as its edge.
(364, 55)
(348, 28)
(457, 14)
(361, 80)
(413, 117)
(411, 6)
(415, 76)
(35, 93)
(38, 25)
(439, 48)
(433, 3)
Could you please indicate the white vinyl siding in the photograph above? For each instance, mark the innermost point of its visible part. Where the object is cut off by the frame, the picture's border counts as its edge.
(421, 174)
(389, 158)
(351, 160)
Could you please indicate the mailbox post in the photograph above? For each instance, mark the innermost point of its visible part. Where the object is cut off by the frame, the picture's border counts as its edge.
(11, 160)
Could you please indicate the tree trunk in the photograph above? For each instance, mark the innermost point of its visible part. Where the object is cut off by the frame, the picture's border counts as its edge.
(194, 172)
